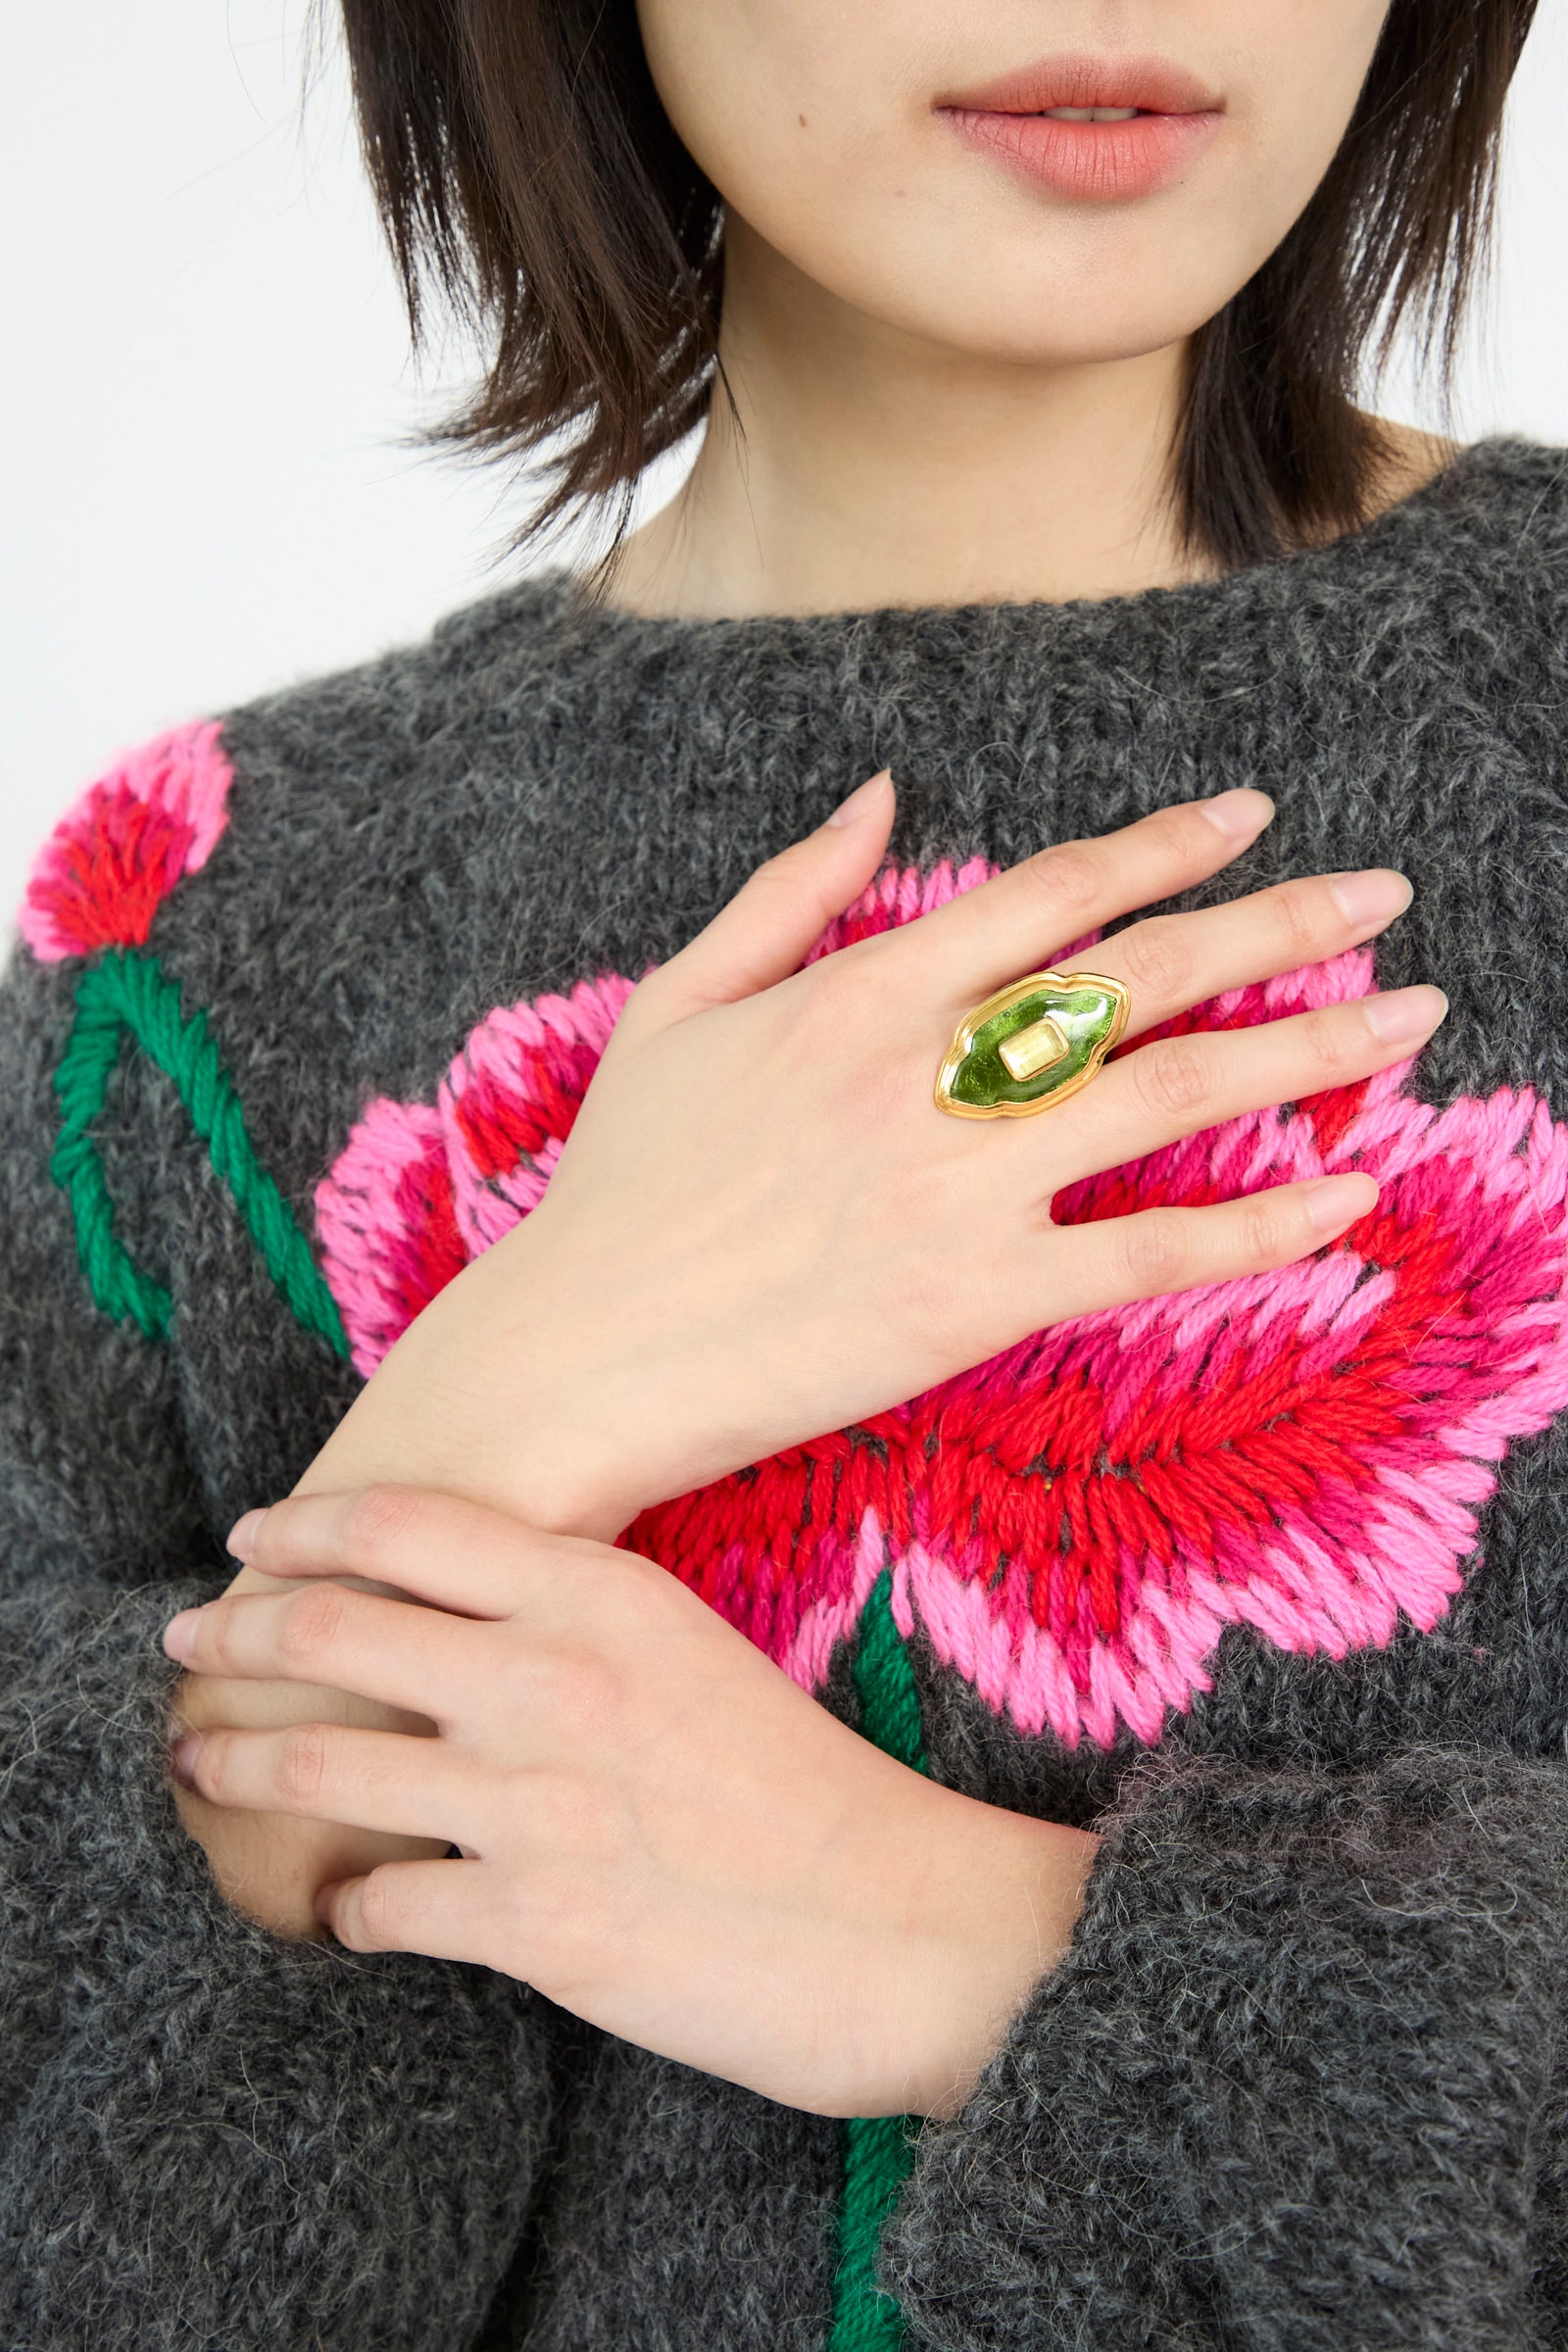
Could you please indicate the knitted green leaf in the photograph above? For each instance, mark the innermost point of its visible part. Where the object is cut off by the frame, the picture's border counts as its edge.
(128, 994)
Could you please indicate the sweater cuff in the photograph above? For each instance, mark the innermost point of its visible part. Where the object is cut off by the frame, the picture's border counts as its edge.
(93, 1855)
(216, 2139)
(1287, 2087)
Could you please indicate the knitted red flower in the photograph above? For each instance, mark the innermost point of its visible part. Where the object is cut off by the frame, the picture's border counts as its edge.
(118, 853)
(1074, 1523)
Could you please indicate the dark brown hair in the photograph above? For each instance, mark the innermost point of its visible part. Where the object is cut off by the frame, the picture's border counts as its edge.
(524, 165)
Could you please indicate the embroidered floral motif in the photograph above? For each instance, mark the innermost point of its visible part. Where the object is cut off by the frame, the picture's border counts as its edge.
(115, 857)
(1074, 1523)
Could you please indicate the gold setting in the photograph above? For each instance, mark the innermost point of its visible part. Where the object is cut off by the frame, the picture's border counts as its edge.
(1038, 1047)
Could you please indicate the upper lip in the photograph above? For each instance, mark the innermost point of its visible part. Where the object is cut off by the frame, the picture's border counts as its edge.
(1151, 83)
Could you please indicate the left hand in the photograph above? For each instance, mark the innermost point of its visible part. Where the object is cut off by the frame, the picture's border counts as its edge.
(659, 1831)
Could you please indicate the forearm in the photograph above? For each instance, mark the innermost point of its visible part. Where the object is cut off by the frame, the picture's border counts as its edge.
(490, 1396)
(517, 1388)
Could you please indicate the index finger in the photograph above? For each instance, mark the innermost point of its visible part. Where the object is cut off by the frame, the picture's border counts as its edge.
(1020, 919)
(459, 1556)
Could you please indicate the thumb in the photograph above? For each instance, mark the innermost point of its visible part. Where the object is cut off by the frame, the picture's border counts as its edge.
(764, 933)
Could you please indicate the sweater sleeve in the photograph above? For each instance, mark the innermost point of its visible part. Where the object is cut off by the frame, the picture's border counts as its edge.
(1294, 2086)
(210, 2137)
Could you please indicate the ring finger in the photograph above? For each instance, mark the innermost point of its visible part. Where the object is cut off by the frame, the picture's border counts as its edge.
(1177, 1086)
(333, 1772)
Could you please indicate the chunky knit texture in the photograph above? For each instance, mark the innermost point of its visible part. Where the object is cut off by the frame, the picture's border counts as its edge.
(1265, 1582)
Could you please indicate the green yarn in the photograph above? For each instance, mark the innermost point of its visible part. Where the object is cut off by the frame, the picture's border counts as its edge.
(878, 2150)
(884, 1680)
(127, 992)
(877, 2159)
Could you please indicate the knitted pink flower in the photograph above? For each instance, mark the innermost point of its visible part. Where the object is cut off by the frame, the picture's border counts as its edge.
(1073, 1524)
(417, 1191)
(116, 853)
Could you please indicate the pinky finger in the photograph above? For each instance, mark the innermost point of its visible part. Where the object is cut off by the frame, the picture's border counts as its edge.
(429, 1907)
(1157, 1250)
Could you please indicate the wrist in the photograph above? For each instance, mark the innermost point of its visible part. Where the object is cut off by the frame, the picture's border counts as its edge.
(507, 1389)
(1010, 1920)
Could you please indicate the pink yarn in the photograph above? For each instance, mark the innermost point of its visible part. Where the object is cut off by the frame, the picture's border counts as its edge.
(154, 816)
(1075, 1522)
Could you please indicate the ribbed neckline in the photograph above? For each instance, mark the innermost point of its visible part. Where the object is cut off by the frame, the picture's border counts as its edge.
(560, 590)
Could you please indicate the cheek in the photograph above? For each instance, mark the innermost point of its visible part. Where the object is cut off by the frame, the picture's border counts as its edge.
(1299, 66)
(785, 104)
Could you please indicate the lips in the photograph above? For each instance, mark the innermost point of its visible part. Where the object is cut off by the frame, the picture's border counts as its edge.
(1010, 119)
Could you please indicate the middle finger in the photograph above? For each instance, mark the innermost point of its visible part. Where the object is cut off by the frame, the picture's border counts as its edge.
(1173, 962)
(403, 1655)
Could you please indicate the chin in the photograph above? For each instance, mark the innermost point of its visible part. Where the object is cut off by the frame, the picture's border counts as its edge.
(1032, 318)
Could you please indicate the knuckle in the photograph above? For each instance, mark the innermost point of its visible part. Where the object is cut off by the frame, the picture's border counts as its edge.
(378, 1517)
(215, 1634)
(1178, 832)
(1269, 1229)
(1328, 1044)
(1299, 912)
(1156, 1256)
(382, 1910)
(212, 1774)
(1155, 959)
(1067, 877)
(302, 1763)
(311, 1621)
(1173, 1076)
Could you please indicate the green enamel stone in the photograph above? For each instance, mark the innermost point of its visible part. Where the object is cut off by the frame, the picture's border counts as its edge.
(1085, 1017)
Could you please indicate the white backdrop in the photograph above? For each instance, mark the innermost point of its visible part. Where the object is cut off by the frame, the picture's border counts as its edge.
(203, 488)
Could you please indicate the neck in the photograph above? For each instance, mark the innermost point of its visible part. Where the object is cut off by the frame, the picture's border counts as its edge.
(862, 465)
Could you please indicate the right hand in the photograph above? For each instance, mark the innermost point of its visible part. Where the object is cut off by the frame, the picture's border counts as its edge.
(761, 1228)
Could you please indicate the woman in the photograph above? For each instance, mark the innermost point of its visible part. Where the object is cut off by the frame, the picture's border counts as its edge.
(1074, 1854)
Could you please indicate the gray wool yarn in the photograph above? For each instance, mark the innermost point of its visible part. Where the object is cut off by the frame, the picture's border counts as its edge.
(1298, 2086)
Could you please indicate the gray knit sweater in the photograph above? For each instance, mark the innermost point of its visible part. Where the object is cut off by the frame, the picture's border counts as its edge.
(1267, 1583)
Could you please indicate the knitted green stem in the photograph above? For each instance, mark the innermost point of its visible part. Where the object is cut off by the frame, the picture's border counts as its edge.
(879, 2149)
(127, 992)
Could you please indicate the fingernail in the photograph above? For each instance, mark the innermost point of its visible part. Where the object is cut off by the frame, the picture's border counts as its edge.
(182, 1758)
(179, 1633)
(860, 801)
(1405, 1015)
(1335, 1201)
(1239, 814)
(242, 1535)
(1372, 898)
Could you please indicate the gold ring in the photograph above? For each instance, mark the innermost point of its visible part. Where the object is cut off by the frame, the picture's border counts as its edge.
(1031, 1045)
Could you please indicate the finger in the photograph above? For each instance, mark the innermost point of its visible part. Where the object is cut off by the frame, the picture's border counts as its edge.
(1018, 922)
(1177, 1086)
(417, 1659)
(335, 1772)
(440, 1908)
(1121, 1260)
(764, 931)
(1173, 962)
(457, 1554)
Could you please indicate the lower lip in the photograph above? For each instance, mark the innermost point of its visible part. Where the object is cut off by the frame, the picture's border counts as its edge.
(1097, 160)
